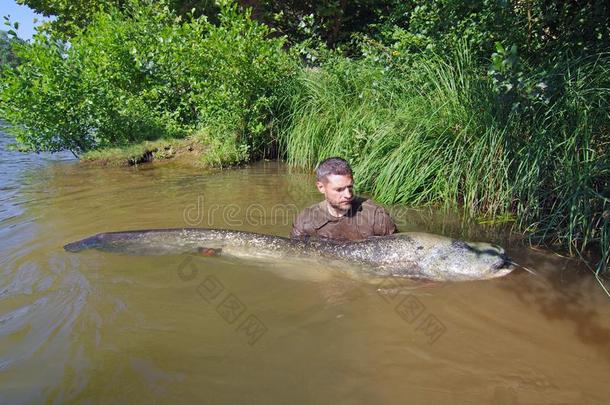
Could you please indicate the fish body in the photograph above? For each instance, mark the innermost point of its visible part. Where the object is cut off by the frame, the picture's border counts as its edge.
(408, 254)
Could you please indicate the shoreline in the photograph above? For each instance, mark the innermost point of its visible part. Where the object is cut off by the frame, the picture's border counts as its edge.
(188, 151)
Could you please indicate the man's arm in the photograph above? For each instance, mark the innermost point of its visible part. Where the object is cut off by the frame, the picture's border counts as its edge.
(383, 224)
(298, 229)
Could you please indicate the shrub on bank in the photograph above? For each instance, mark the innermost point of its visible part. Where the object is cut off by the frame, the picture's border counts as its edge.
(143, 73)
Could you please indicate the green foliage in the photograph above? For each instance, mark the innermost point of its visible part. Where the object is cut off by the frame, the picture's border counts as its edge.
(136, 153)
(438, 132)
(562, 169)
(541, 29)
(241, 78)
(221, 151)
(7, 55)
(143, 73)
(328, 22)
(71, 16)
(439, 25)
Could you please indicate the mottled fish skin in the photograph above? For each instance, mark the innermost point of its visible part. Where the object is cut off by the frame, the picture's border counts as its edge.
(409, 254)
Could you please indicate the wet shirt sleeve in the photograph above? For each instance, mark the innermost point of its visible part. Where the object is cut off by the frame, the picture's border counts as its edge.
(298, 227)
(297, 230)
(383, 223)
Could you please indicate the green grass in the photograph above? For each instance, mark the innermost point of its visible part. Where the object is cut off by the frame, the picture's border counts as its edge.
(436, 133)
(135, 153)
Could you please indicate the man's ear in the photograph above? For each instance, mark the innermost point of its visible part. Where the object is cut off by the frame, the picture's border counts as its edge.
(320, 186)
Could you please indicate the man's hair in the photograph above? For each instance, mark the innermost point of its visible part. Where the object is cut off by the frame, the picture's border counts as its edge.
(333, 165)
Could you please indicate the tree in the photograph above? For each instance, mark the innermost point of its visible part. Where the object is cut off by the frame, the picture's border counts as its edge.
(72, 15)
(7, 55)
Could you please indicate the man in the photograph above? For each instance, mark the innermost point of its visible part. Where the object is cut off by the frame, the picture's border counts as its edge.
(341, 215)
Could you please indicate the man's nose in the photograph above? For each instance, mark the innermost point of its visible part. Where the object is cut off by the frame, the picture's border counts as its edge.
(347, 193)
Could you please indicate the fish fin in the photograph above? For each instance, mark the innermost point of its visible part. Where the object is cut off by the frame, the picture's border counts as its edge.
(208, 252)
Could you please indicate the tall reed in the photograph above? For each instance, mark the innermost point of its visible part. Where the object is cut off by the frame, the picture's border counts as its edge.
(437, 133)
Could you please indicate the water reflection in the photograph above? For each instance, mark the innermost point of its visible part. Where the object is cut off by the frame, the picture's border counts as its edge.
(565, 294)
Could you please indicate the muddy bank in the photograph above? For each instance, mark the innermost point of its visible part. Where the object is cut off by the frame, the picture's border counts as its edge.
(188, 151)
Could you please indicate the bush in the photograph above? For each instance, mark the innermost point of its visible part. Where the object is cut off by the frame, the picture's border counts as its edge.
(143, 73)
(540, 29)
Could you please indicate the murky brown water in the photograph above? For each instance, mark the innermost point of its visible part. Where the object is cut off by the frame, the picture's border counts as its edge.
(102, 328)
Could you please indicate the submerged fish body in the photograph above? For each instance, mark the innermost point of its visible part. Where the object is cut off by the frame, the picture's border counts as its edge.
(409, 254)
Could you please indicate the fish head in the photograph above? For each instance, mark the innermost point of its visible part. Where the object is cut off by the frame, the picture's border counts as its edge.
(459, 260)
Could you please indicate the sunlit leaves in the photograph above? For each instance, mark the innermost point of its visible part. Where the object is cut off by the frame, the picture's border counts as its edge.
(141, 73)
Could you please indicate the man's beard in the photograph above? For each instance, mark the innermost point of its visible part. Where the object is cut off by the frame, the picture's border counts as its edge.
(341, 206)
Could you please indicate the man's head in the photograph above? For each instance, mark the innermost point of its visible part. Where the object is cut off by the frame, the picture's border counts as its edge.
(334, 180)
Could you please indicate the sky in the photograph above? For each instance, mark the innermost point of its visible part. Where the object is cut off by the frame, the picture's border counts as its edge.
(23, 14)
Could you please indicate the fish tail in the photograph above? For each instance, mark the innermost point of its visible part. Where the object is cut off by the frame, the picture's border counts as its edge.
(82, 244)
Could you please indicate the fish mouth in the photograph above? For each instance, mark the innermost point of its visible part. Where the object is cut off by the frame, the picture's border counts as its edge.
(503, 266)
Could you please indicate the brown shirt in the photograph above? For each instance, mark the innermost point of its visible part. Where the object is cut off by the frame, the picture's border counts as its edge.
(363, 220)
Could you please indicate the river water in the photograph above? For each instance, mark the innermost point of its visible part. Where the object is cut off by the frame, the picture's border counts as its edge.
(102, 328)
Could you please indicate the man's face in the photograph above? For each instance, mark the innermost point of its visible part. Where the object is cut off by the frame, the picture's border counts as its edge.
(337, 190)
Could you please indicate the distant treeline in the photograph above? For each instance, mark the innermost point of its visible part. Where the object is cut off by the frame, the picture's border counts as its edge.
(533, 25)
